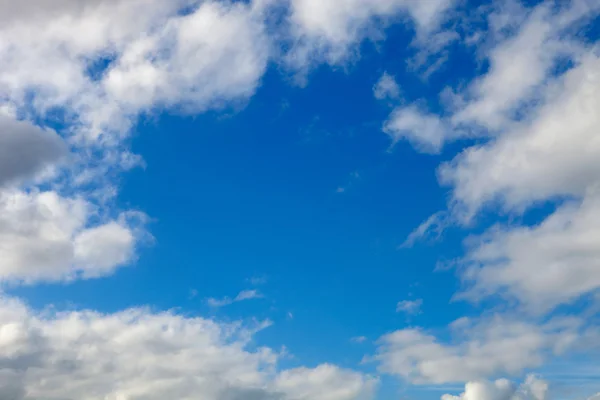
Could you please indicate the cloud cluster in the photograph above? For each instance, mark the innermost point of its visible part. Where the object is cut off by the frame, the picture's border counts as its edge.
(533, 388)
(44, 236)
(543, 147)
(481, 348)
(139, 354)
(524, 48)
(536, 108)
(330, 31)
(102, 65)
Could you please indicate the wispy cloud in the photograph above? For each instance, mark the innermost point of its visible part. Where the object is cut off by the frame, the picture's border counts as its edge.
(409, 307)
(257, 280)
(243, 295)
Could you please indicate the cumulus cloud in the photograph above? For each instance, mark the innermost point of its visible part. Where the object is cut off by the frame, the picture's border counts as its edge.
(481, 348)
(138, 354)
(545, 265)
(330, 31)
(533, 388)
(521, 65)
(44, 236)
(426, 131)
(553, 154)
(542, 123)
(107, 62)
(96, 67)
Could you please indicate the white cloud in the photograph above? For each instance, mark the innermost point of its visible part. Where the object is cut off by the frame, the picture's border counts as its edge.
(26, 150)
(426, 132)
(137, 354)
(386, 88)
(552, 263)
(44, 236)
(554, 154)
(359, 339)
(521, 67)
(518, 66)
(482, 348)
(241, 296)
(157, 58)
(95, 67)
(431, 227)
(330, 31)
(325, 382)
(409, 307)
(543, 148)
(533, 388)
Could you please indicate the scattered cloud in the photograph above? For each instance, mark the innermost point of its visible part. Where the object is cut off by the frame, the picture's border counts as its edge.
(258, 280)
(427, 132)
(45, 237)
(409, 307)
(359, 339)
(330, 31)
(386, 88)
(243, 295)
(485, 347)
(432, 227)
(136, 353)
(533, 388)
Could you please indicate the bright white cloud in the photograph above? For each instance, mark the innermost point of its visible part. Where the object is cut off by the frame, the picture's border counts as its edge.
(241, 296)
(482, 348)
(100, 65)
(155, 55)
(533, 388)
(137, 354)
(521, 67)
(409, 307)
(44, 236)
(426, 132)
(331, 30)
(554, 154)
(545, 265)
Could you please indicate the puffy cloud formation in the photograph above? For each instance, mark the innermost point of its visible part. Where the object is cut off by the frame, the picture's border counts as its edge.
(537, 104)
(330, 30)
(95, 67)
(481, 348)
(520, 66)
(44, 236)
(545, 265)
(554, 155)
(104, 63)
(138, 354)
(532, 389)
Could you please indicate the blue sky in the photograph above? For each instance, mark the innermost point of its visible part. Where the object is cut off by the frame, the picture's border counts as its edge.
(299, 200)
